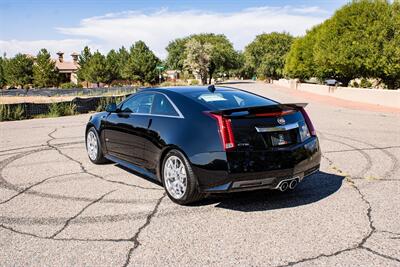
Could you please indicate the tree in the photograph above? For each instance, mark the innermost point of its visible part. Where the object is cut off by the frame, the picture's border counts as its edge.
(243, 69)
(198, 58)
(44, 70)
(267, 54)
(19, 70)
(300, 61)
(96, 69)
(141, 64)
(113, 66)
(391, 49)
(361, 40)
(2, 72)
(84, 57)
(354, 41)
(123, 56)
(223, 57)
(249, 68)
(176, 54)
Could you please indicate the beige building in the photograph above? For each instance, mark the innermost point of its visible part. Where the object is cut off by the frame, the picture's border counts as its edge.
(68, 69)
(171, 75)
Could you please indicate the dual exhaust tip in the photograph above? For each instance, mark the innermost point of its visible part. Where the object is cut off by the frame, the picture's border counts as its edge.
(290, 184)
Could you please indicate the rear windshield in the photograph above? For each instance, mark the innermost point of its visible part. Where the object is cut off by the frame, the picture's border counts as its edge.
(229, 99)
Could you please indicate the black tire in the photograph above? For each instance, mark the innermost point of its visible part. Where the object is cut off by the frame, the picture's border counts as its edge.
(192, 193)
(99, 159)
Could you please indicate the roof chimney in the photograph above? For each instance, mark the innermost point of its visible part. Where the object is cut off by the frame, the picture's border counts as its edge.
(75, 56)
(60, 56)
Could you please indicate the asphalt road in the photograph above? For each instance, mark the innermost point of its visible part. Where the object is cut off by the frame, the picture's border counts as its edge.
(56, 208)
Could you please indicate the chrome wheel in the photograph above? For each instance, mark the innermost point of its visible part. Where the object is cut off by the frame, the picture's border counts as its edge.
(175, 177)
(91, 145)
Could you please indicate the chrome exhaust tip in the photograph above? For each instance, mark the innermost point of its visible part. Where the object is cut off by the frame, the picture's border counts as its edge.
(284, 186)
(293, 184)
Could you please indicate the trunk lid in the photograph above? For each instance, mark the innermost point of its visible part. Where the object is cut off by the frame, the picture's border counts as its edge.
(265, 127)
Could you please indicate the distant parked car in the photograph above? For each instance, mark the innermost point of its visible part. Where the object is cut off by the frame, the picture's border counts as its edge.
(198, 140)
(333, 82)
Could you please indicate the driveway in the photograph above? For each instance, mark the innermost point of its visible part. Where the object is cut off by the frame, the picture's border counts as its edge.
(56, 208)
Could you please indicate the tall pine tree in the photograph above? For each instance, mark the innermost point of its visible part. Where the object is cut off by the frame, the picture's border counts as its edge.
(96, 69)
(19, 70)
(2, 72)
(113, 72)
(44, 71)
(123, 56)
(141, 65)
(83, 59)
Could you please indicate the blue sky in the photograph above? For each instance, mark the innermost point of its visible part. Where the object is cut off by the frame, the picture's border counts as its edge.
(105, 24)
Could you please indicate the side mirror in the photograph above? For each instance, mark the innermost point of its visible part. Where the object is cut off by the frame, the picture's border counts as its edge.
(112, 108)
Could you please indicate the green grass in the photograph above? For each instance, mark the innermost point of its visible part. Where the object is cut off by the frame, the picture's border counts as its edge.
(194, 82)
(104, 101)
(7, 113)
(56, 109)
(61, 109)
(170, 83)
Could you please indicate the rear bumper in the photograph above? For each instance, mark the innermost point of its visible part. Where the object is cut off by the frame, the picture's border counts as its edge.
(243, 171)
(257, 184)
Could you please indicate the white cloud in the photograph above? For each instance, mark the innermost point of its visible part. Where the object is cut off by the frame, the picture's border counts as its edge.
(12, 47)
(159, 27)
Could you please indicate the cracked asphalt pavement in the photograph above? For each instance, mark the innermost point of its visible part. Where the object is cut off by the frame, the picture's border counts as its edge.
(57, 208)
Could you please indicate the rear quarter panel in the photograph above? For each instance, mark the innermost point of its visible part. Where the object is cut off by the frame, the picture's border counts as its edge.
(196, 135)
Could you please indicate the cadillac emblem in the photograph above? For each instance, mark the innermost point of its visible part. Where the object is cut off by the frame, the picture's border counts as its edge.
(281, 120)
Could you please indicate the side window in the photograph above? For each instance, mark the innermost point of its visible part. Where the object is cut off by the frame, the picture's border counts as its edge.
(138, 104)
(162, 106)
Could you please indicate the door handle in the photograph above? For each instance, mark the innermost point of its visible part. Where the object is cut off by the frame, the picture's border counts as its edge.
(123, 115)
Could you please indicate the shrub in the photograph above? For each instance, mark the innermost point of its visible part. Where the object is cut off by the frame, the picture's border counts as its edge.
(194, 82)
(365, 83)
(164, 84)
(70, 85)
(7, 113)
(355, 84)
(61, 109)
(119, 83)
(54, 110)
(69, 109)
(104, 101)
(174, 83)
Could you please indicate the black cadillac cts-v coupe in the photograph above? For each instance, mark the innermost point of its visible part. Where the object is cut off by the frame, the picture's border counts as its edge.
(199, 140)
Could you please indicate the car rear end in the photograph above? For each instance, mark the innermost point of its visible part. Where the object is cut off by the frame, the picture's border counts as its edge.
(273, 147)
(269, 146)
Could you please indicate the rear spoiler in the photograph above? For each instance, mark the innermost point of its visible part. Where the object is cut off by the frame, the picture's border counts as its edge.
(237, 112)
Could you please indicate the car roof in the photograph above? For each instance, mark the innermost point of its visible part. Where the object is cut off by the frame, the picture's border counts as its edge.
(188, 89)
(187, 92)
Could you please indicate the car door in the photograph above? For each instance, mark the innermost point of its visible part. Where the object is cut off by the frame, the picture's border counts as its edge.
(125, 131)
(165, 120)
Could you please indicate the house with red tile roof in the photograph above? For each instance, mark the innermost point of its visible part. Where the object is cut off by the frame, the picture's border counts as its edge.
(68, 69)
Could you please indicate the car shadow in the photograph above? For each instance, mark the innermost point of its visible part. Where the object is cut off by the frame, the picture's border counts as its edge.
(154, 181)
(312, 189)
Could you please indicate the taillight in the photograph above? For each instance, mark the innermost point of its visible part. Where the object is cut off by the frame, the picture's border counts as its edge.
(225, 131)
(308, 122)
